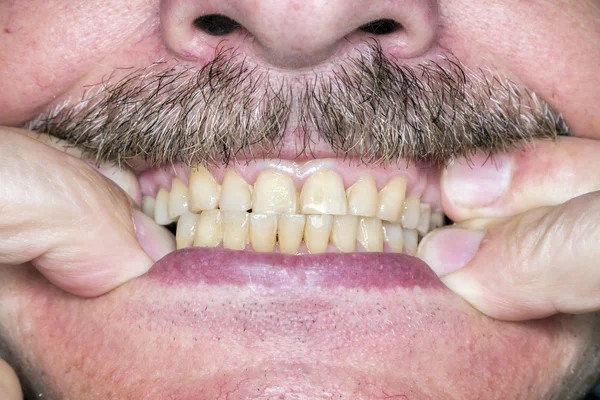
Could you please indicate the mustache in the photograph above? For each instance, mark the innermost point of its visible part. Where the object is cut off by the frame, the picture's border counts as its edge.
(367, 106)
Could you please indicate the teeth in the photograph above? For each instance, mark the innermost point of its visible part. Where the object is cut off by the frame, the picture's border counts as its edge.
(370, 234)
(411, 241)
(186, 229)
(148, 205)
(424, 219)
(209, 230)
(204, 192)
(316, 233)
(178, 199)
(344, 232)
(437, 220)
(236, 227)
(323, 193)
(391, 199)
(410, 215)
(362, 197)
(263, 232)
(274, 193)
(236, 194)
(393, 236)
(290, 230)
(161, 208)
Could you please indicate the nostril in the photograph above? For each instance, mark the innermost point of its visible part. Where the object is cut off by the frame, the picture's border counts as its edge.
(216, 24)
(381, 27)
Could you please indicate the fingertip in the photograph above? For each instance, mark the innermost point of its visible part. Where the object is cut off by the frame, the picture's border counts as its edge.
(156, 240)
(10, 388)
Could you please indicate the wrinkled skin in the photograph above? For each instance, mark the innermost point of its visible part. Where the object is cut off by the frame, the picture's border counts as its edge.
(209, 341)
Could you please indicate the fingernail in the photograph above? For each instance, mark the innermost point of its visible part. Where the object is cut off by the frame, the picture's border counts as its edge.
(156, 240)
(449, 249)
(124, 178)
(478, 181)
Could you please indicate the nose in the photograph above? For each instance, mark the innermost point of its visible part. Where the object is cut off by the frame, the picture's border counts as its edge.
(294, 34)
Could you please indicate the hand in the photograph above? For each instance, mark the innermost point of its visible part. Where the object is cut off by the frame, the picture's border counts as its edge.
(527, 241)
(9, 384)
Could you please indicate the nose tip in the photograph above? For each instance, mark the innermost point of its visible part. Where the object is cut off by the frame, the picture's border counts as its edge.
(296, 34)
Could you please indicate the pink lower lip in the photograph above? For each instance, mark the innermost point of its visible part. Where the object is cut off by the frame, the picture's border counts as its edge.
(360, 270)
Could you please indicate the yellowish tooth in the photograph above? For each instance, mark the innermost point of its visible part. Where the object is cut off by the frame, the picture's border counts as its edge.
(236, 194)
(290, 229)
(186, 229)
(178, 199)
(411, 241)
(344, 232)
(391, 199)
(323, 193)
(316, 233)
(204, 191)
(236, 228)
(410, 215)
(274, 193)
(209, 229)
(437, 220)
(161, 208)
(263, 232)
(363, 197)
(393, 236)
(370, 234)
(148, 205)
(424, 218)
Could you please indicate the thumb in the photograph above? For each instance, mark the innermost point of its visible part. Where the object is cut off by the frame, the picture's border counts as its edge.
(10, 389)
(537, 264)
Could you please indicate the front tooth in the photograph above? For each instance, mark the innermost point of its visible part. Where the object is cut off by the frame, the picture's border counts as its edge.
(236, 194)
(344, 232)
(161, 208)
(323, 193)
(263, 232)
(363, 197)
(410, 215)
(148, 205)
(370, 234)
(437, 220)
(236, 227)
(424, 218)
(204, 191)
(274, 193)
(186, 229)
(209, 229)
(178, 199)
(411, 241)
(391, 199)
(393, 236)
(316, 233)
(290, 229)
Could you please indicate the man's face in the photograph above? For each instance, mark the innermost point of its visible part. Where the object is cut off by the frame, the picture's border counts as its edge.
(294, 81)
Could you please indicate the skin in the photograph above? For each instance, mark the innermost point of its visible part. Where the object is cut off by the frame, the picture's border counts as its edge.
(207, 341)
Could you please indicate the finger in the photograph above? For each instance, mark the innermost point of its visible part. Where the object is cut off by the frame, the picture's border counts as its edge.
(539, 263)
(549, 173)
(10, 389)
(72, 223)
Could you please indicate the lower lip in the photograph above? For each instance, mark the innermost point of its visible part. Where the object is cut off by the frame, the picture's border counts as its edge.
(357, 270)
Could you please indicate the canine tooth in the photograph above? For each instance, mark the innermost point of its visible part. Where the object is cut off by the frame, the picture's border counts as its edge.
(370, 234)
(344, 232)
(393, 236)
(148, 205)
(391, 199)
(363, 197)
(161, 208)
(209, 229)
(178, 199)
(263, 232)
(410, 215)
(204, 191)
(411, 241)
(186, 229)
(316, 232)
(236, 194)
(424, 218)
(236, 228)
(290, 229)
(274, 193)
(323, 193)
(437, 220)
